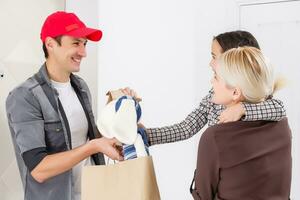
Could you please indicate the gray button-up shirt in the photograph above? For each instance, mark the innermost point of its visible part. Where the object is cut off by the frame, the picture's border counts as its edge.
(39, 128)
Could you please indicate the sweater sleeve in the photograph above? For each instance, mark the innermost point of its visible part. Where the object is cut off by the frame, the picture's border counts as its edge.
(271, 109)
(191, 125)
(27, 126)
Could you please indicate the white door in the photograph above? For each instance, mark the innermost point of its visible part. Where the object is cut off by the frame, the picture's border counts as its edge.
(276, 25)
(20, 56)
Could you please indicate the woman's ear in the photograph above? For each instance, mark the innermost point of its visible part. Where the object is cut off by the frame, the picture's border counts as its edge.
(237, 95)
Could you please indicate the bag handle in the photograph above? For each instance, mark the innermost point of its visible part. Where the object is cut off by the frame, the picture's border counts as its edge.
(108, 159)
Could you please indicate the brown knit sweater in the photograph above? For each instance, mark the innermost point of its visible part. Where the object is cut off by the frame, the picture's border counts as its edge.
(244, 161)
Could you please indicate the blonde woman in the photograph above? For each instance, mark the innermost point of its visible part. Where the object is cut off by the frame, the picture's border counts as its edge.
(244, 160)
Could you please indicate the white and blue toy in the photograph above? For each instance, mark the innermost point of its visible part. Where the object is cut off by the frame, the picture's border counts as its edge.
(119, 119)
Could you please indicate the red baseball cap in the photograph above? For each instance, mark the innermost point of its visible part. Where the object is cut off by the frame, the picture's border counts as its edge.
(63, 23)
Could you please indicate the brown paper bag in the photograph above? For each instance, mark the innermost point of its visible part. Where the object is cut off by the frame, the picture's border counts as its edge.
(128, 180)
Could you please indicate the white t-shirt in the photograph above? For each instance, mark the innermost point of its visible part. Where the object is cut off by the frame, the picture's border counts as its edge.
(78, 127)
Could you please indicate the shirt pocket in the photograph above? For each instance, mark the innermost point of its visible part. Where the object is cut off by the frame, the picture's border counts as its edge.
(54, 137)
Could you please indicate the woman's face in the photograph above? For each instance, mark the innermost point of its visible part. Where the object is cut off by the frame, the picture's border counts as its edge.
(223, 95)
(216, 51)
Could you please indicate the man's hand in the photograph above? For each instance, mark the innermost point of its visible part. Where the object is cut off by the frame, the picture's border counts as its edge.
(232, 113)
(110, 147)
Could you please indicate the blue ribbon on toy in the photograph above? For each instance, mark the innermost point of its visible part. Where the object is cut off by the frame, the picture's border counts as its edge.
(137, 106)
(129, 151)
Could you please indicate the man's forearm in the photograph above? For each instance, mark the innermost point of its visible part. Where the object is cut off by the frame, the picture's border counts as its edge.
(55, 164)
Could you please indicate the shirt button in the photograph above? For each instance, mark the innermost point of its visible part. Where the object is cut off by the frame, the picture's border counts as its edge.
(58, 129)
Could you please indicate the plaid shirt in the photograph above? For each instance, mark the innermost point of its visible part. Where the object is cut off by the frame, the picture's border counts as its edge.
(208, 112)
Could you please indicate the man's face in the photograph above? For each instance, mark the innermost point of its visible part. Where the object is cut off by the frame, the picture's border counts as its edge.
(68, 55)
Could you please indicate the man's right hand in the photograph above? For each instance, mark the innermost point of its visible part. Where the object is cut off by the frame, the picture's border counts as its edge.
(108, 146)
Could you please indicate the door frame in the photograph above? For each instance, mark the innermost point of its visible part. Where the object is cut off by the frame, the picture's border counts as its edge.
(240, 3)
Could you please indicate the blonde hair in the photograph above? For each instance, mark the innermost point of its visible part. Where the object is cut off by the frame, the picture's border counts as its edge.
(247, 69)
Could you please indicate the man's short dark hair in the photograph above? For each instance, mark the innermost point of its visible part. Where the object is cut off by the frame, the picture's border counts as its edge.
(57, 39)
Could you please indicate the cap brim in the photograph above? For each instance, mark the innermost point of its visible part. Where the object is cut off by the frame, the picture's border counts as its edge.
(89, 33)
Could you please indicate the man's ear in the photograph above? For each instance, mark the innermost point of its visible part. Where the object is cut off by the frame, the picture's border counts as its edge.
(49, 43)
(237, 94)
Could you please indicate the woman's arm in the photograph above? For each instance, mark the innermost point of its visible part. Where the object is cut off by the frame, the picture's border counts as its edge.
(192, 124)
(269, 110)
